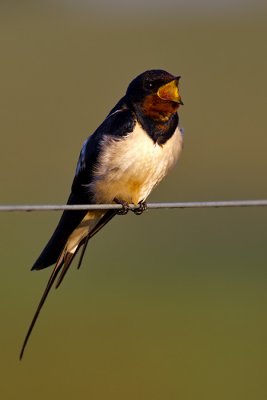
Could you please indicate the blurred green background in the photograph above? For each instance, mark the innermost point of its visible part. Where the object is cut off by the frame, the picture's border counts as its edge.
(170, 305)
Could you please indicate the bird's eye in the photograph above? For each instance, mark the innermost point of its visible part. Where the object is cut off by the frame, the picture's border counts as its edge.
(149, 85)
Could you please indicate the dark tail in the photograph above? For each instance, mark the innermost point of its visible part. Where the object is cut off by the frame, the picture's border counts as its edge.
(66, 225)
(63, 263)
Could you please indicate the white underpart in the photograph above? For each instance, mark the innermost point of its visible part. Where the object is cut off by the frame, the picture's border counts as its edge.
(81, 165)
(80, 233)
(130, 168)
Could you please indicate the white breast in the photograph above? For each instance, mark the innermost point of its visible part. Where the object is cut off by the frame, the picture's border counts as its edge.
(131, 167)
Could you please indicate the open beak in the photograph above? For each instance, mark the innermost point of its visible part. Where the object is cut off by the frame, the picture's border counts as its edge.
(170, 91)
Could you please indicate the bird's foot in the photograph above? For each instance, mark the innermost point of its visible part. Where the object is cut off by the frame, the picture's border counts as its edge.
(125, 206)
(142, 207)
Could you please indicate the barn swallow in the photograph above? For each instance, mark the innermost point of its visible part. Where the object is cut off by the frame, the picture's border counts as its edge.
(121, 162)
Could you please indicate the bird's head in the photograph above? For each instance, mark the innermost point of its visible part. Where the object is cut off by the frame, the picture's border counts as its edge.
(156, 92)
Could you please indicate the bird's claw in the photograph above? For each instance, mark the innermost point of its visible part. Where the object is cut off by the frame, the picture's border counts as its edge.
(124, 210)
(125, 207)
(141, 208)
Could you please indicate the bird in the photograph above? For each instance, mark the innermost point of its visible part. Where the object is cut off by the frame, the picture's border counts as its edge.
(121, 162)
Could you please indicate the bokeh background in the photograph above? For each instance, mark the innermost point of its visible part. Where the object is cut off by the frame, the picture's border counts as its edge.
(170, 305)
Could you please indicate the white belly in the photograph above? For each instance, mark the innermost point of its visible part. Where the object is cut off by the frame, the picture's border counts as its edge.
(131, 167)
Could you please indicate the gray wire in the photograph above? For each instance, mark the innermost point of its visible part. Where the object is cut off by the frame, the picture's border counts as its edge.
(192, 204)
